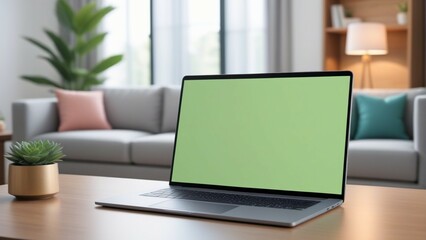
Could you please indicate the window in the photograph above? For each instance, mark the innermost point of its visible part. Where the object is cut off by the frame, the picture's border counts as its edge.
(188, 37)
(245, 36)
(185, 39)
(129, 32)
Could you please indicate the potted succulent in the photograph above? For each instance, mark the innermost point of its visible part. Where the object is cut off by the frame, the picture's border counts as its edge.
(401, 16)
(33, 173)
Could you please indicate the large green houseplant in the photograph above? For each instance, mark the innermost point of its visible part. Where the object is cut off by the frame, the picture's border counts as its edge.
(67, 58)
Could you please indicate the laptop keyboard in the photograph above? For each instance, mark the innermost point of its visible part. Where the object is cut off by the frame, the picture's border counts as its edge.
(271, 202)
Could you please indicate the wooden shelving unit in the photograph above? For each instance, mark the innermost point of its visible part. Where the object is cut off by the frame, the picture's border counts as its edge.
(403, 66)
(389, 28)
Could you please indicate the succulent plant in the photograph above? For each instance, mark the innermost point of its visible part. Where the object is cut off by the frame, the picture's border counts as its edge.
(402, 7)
(37, 152)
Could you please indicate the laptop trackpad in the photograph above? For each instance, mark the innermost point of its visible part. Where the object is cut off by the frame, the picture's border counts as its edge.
(194, 206)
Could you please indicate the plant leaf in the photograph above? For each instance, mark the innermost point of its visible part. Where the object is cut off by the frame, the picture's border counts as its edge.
(41, 45)
(91, 81)
(61, 46)
(65, 14)
(81, 72)
(106, 63)
(41, 80)
(82, 16)
(37, 152)
(60, 67)
(95, 19)
(83, 47)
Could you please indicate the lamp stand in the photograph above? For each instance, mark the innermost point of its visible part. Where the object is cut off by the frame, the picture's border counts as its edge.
(366, 71)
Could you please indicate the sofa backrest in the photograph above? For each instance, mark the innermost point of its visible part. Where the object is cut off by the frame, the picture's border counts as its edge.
(170, 108)
(409, 109)
(134, 108)
(32, 117)
(155, 109)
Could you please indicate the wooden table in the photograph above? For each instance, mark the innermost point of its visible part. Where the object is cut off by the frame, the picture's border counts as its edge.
(4, 136)
(368, 213)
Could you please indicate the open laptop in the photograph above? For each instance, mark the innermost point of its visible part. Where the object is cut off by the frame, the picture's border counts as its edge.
(259, 148)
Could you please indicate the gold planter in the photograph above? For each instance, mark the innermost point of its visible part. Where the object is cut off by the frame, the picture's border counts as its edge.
(33, 182)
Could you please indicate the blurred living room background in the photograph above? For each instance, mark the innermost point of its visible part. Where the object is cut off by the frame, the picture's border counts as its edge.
(188, 37)
(163, 40)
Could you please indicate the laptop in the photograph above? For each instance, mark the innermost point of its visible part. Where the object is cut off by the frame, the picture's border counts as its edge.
(258, 148)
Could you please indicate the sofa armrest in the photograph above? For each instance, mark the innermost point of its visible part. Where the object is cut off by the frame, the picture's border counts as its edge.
(419, 136)
(32, 117)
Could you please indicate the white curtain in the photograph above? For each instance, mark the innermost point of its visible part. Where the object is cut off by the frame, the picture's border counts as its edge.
(246, 36)
(186, 38)
(128, 28)
(279, 36)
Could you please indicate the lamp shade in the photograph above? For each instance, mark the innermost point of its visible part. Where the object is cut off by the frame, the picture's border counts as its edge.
(366, 38)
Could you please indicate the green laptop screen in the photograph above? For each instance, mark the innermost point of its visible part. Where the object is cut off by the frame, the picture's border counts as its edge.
(285, 133)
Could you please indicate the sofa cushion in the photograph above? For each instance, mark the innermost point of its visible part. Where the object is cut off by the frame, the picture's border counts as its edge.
(134, 108)
(96, 145)
(382, 159)
(409, 109)
(381, 118)
(81, 110)
(170, 109)
(154, 150)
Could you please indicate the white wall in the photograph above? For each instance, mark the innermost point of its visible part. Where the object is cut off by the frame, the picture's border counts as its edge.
(17, 57)
(306, 37)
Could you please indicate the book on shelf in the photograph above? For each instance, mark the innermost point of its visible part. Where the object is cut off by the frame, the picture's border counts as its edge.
(335, 18)
(341, 15)
(338, 18)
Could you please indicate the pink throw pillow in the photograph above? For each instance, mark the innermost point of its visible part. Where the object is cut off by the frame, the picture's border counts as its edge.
(81, 110)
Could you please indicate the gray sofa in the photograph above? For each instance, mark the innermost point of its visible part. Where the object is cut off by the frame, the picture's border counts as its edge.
(393, 162)
(140, 145)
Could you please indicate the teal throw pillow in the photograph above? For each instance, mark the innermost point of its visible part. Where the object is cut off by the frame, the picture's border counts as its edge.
(381, 118)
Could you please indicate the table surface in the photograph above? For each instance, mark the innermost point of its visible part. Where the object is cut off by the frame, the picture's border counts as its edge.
(5, 135)
(368, 213)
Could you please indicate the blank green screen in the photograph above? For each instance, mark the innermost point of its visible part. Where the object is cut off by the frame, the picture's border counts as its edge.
(270, 133)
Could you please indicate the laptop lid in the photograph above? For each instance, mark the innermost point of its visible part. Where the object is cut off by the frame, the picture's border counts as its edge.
(284, 133)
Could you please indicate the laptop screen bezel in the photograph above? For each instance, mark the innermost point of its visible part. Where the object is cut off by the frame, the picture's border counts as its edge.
(268, 75)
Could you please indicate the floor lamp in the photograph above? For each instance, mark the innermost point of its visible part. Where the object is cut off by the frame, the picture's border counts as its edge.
(366, 39)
